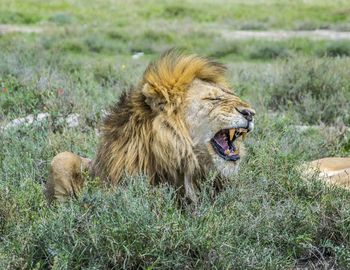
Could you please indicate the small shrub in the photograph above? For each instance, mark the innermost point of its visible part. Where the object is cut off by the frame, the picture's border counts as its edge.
(105, 74)
(196, 13)
(156, 36)
(61, 18)
(343, 27)
(252, 25)
(72, 45)
(177, 11)
(318, 91)
(268, 51)
(336, 49)
(95, 44)
(100, 44)
(117, 35)
(11, 17)
(225, 49)
(309, 25)
(20, 97)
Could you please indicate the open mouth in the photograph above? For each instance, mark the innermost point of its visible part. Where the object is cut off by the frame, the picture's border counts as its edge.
(225, 143)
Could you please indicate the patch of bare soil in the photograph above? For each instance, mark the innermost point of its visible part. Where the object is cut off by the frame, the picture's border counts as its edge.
(8, 28)
(284, 34)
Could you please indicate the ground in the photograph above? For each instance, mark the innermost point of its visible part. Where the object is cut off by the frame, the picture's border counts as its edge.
(71, 59)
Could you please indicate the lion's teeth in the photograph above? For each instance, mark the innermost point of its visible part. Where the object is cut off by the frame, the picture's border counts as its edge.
(231, 133)
(244, 135)
(227, 152)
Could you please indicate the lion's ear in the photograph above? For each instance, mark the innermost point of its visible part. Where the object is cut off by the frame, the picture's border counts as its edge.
(154, 98)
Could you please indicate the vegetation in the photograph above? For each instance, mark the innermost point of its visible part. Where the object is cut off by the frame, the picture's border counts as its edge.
(267, 218)
(317, 90)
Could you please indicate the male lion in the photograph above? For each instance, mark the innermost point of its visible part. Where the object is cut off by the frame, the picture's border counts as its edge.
(180, 122)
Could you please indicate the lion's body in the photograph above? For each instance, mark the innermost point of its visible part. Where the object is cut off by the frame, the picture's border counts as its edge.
(162, 128)
(333, 170)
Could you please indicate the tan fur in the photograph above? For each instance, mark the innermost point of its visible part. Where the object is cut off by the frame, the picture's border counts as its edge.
(66, 176)
(162, 128)
(332, 170)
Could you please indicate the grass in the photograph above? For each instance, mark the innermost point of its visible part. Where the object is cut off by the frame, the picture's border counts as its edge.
(267, 218)
(317, 90)
(335, 49)
(275, 14)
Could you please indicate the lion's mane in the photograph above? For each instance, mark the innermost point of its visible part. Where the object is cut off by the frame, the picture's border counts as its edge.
(145, 132)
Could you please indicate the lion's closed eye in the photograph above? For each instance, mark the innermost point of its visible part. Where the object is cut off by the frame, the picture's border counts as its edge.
(218, 98)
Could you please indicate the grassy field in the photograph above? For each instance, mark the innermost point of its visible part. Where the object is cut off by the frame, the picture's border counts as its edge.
(267, 218)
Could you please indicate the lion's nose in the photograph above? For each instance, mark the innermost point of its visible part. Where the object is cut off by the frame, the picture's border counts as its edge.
(247, 113)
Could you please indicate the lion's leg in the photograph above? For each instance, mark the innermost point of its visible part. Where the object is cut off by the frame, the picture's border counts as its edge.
(66, 176)
(190, 189)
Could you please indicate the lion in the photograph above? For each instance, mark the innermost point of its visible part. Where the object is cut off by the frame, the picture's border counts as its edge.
(66, 176)
(333, 171)
(179, 123)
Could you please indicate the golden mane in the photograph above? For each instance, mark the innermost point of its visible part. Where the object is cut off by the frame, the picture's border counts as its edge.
(173, 72)
(143, 133)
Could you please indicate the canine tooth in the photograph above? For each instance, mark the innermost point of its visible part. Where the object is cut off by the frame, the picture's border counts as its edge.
(244, 134)
(232, 133)
(227, 152)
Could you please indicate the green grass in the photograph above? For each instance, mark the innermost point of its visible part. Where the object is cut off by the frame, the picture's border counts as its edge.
(272, 13)
(318, 91)
(267, 218)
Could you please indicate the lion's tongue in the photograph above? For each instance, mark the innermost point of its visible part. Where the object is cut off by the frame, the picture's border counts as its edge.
(222, 141)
